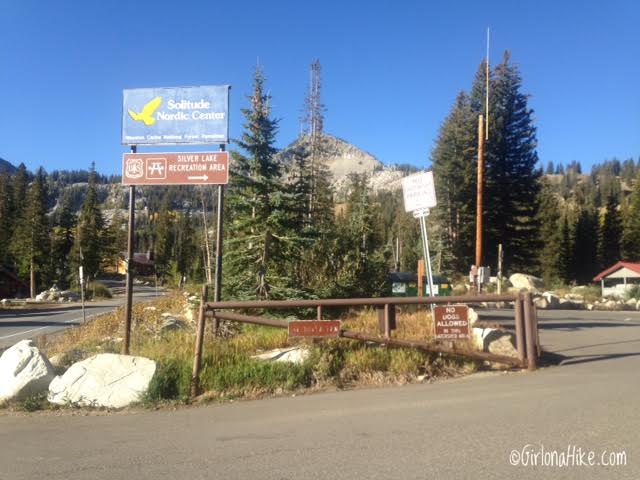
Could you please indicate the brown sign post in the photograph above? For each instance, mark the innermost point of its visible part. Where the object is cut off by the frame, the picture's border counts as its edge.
(314, 328)
(451, 322)
(175, 168)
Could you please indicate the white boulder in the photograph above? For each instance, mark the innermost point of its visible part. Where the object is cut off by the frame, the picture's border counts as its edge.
(104, 380)
(494, 340)
(295, 355)
(24, 371)
(526, 282)
(552, 299)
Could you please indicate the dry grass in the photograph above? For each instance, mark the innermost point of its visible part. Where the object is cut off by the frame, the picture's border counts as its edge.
(228, 370)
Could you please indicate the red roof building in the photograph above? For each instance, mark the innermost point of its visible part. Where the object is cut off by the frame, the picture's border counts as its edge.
(616, 279)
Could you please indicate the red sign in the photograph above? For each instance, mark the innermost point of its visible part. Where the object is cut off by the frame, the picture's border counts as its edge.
(314, 328)
(176, 168)
(451, 322)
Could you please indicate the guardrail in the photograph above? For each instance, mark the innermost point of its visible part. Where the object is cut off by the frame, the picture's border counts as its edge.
(526, 328)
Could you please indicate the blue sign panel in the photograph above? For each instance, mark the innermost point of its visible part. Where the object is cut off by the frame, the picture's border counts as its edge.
(171, 116)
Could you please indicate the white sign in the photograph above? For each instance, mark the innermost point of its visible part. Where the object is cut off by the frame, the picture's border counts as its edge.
(419, 192)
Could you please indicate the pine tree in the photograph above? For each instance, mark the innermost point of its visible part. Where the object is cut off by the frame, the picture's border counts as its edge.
(454, 161)
(186, 250)
(549, 170)
(31, 237)
(62, 240)
(549, 219)
(262, 235)
(91, 224)
(631, 234)
(319, 200)
(585, 251)
(565, 251)
(19, 190)
(164, 238)
(610, 235)
(6, 219)
(511, 176)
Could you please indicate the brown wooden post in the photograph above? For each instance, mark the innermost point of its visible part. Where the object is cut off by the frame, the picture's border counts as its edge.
(520, 333)
(479, 193)
(532, 351)
(319, 312)
(387, 321)
(420, 277)
(381, 319)
(197, 357)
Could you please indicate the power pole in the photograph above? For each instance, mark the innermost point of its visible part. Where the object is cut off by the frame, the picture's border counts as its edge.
(479, 192)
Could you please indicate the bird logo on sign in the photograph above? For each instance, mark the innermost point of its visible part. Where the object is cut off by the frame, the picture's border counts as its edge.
(146, 114)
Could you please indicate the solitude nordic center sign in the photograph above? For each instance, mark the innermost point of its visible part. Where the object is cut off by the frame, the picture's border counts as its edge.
(170, 116)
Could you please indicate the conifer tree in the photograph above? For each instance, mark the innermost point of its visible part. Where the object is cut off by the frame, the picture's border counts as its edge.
(163, 238)
(31, 237)
(262, 235)
(90, 242)
(454, 163)
(610, 235)
(565, 251)
(631, 234)
(6, 219)
(62, 240)
(511, 175)
(549, 218)
(585, 251)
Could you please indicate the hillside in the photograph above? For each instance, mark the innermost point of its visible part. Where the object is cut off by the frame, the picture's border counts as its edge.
(343, 159)
(6, 167)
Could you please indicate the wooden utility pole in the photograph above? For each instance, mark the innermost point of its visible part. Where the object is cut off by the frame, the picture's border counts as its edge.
(479, 191)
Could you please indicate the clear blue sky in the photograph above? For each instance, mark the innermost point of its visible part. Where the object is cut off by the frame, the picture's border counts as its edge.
(391, 70)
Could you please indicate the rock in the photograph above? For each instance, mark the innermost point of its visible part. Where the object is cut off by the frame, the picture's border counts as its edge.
(473, 316)
(171, 323)
(41, 297)
(295, 355)
(541, 302)
(5, 301)
(526, 282)
(632, 303)
(552, 299)
(24, 371)
(590, 306)
(67, 358)
(494, 340)
(150, 309)
(566, 304)
(104, 380)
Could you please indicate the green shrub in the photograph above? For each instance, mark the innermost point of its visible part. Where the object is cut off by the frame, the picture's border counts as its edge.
(97, 289)
(633, 292)
(171, 381)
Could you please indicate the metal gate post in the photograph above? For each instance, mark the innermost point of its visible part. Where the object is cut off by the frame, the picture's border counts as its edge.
(532, 351)
(520, 334)
(197, 358)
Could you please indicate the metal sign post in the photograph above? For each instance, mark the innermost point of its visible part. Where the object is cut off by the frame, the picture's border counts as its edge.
(421, 215)
(81, 273)
(219, 237)
(419, 195)
(129, 282)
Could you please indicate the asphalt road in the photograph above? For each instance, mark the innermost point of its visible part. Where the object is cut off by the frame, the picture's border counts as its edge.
(469, 428)
(19, 324)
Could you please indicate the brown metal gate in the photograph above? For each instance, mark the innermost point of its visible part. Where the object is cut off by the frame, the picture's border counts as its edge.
(526, 328)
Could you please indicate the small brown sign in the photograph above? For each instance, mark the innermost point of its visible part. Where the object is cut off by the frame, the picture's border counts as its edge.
(175, 168)
(451, 322)
(314, 328)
